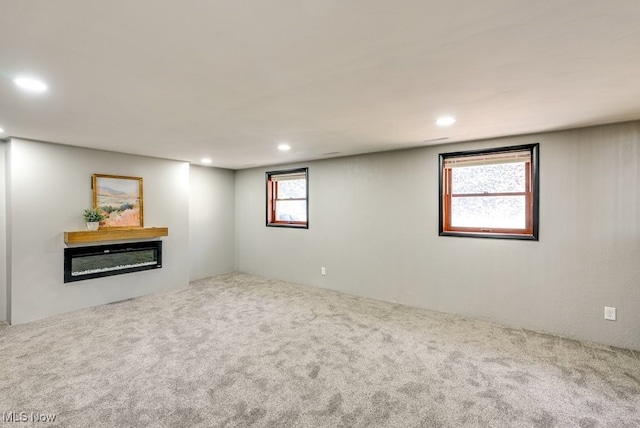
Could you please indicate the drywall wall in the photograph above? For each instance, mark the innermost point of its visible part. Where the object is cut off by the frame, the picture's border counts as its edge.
(374, 226)
(48, 187)
(3, 236)
(211, 221)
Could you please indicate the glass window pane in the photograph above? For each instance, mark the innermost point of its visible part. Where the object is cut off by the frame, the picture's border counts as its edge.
(489, 212)
(291, 210)
(292, 189)
(499, 178)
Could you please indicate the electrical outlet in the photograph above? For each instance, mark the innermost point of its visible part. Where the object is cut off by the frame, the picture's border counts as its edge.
(323, 271)
(609, 313)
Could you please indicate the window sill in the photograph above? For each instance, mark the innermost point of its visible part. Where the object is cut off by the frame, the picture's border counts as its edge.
(289, 225)
(491, 235)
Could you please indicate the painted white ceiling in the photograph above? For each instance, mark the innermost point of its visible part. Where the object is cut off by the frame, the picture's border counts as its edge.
(231, 79)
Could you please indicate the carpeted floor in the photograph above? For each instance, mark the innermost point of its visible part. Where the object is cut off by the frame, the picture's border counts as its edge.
(238, 351)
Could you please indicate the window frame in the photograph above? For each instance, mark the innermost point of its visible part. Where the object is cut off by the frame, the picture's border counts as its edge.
(532, 196)
(271, 198)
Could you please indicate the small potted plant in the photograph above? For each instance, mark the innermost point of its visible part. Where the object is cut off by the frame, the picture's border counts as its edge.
(93, 217)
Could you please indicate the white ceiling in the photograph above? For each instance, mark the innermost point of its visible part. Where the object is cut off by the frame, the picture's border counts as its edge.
(231, 79)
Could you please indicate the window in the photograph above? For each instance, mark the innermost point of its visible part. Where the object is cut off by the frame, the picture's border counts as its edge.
(288, 198)
(490, 193)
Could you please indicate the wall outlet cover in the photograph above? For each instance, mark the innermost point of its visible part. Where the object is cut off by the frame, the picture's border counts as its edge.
(609, 313)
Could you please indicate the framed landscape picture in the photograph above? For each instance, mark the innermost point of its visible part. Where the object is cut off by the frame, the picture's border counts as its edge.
(119, 198)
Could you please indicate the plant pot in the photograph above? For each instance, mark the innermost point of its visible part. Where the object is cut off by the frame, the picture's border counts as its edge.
(93, 225)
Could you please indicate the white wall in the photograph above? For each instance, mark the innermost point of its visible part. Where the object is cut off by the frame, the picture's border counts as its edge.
(211, 221)
(3, 239)
(374, 225)
(48, 187)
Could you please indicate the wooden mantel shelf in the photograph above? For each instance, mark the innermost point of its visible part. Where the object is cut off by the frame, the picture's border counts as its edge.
(114, 234)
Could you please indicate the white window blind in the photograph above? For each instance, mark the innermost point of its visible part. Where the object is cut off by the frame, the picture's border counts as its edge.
(291, 176)
(488, 159)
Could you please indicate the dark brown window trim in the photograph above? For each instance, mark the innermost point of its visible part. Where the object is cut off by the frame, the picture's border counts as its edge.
(270, 208)
(532, 194)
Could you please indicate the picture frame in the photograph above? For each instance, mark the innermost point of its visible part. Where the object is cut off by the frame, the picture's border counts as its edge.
(120, 199)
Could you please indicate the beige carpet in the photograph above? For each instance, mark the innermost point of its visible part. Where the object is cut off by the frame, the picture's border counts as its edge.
(239, 351)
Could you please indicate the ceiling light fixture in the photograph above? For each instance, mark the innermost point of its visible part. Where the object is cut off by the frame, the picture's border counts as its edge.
(445, 121)
(30, 84)
(284, 147)
(205, 160)
(1, 130)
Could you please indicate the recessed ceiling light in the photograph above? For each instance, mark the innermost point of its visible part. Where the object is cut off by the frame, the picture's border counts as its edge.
(205, 160)
(445, 121)
(284, 147)
(1, 130)
(30, 84)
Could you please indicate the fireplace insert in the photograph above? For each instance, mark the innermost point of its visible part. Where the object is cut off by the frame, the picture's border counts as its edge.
(82, 263)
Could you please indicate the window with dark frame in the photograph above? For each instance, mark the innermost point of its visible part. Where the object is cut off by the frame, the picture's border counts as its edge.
(288, 198)
(490, 193)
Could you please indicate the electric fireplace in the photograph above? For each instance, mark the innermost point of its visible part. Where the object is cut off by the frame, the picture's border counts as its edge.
(82, 263)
